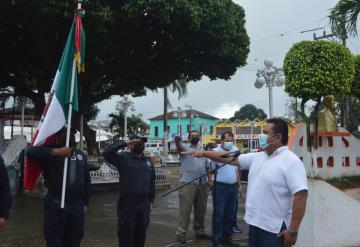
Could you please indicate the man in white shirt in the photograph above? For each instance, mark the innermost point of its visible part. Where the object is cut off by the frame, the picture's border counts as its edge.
(277, 188)
(224, 194)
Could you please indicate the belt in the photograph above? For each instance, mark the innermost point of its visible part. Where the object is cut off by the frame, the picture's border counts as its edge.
(225, 184)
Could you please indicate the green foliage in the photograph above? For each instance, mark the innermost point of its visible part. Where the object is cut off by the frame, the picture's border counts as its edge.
(249, 112)
(132, 45)
(343, 17)
(317, 68)
(355, 89)
(134, 123)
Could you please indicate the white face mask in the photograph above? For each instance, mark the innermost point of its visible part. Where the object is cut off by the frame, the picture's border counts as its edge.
(228, 145)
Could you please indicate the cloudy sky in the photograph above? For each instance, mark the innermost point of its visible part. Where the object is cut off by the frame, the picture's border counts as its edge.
(273, 27)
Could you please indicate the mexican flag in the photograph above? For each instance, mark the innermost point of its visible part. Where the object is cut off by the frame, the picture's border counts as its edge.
(56, 111)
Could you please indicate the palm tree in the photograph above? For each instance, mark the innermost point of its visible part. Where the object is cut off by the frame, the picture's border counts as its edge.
(135, 124)
(343, 17)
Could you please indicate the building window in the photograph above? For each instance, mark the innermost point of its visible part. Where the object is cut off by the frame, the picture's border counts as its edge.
(358, 161)
(211, 130)
(330, 162)
(345, 142)
(346, 162)
(330, 141)
(319, 162)
(156, 131)
(320, 139)
(188, 128)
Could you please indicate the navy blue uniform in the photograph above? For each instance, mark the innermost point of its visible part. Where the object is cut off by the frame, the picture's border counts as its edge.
(137, 191)
(5, 196)
(66, 228)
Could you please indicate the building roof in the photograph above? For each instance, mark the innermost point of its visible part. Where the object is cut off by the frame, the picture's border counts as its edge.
(195, 113)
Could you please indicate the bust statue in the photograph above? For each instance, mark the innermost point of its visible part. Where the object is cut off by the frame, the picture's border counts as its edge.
(326, 117)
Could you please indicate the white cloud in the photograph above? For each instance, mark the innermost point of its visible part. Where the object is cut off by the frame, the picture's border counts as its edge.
(226, 110)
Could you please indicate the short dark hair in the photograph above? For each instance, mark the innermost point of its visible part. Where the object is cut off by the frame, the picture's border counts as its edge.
(226, 133)
(210, 146)
(192, 131)
(280, 126)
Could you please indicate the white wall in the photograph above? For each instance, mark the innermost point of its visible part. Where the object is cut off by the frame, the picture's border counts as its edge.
(331, 218)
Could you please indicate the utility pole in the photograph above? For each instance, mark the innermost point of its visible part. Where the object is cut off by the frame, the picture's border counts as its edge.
(165, 123)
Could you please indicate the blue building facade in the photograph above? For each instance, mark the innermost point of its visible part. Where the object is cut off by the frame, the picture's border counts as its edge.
(192, 120)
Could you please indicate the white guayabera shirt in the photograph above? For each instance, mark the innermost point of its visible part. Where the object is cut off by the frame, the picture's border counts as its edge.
(272, 182)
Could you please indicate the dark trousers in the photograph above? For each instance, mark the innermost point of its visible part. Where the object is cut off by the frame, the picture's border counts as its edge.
(133, 220)
(224, 203)
(64, 229)
(261, 238)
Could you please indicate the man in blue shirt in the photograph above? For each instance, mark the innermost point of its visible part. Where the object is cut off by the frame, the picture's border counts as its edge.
(224, 194)
(137, 190)
(195, 194)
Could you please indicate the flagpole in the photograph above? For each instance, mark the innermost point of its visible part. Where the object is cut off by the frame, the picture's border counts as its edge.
(69, 124)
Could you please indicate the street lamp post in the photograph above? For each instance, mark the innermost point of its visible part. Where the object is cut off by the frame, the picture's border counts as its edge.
(252, 124)
(271, 76)
(178, 113)
(123, 106)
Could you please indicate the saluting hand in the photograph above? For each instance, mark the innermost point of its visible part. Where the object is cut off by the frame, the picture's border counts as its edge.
(131, 142)
(62, 152)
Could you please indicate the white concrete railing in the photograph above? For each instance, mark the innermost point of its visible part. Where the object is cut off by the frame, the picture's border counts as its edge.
(107, 175)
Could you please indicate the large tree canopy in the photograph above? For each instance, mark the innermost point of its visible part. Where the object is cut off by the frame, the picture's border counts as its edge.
(249, 112)
(131, 45)
(355, 89)
(317, 68)
(314, 69)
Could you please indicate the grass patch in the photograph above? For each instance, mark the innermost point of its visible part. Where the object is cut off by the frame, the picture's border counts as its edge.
(345, 182)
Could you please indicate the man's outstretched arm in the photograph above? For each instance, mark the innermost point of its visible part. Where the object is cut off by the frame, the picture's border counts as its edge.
(213, 155)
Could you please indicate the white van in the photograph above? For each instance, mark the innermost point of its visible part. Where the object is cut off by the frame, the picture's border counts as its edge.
(154, 147)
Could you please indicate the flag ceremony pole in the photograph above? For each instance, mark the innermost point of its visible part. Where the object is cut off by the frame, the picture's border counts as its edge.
(69, 125)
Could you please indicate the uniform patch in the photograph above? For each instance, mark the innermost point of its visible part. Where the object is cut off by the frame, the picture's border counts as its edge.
(79, 157)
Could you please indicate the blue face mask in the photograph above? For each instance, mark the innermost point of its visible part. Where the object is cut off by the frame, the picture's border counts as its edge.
(228, 145)
(263, 144)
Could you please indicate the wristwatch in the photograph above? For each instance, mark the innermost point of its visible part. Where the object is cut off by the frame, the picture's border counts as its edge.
(293, 232)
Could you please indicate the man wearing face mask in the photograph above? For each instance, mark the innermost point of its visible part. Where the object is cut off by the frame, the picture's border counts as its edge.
(137, 190)
(195, 194)
(277, 188)
(63, 228)
(225, 194)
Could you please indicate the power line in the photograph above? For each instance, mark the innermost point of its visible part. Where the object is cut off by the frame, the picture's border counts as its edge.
(290, 31)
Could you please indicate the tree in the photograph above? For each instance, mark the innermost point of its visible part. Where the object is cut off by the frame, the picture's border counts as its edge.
(135, 124)
(355, 88)
(132, 45)
(314, 69)
(343, 17)
(249, 112)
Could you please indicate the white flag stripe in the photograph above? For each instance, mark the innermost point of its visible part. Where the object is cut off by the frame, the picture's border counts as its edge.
(53, 121)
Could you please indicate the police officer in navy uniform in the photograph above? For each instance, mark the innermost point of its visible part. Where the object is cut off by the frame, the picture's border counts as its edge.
(5, 196)
(64, 227)
(137, 190)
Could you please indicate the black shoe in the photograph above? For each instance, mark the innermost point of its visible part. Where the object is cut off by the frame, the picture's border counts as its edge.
(181, 240)
(203, 236)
